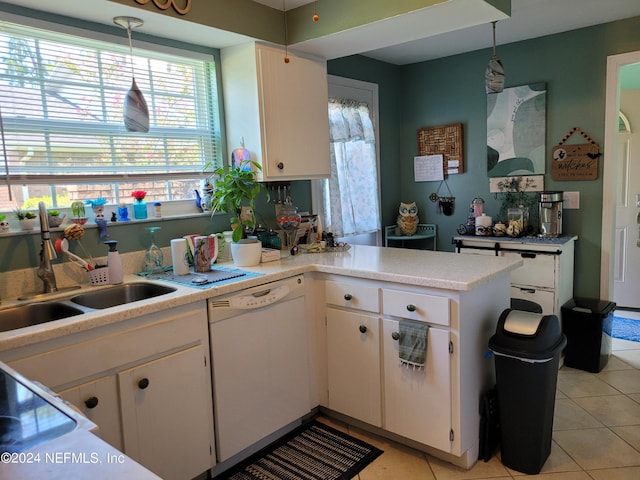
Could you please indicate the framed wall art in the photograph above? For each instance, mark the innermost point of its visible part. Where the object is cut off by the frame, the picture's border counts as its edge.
(516, 124)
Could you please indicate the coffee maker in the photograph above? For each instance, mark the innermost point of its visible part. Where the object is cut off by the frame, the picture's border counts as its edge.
(550, 213)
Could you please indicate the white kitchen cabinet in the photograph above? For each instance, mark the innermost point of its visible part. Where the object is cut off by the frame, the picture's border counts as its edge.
(162, 414)
(167, 427)
(418, 401)
(260, 364)
(278, 109)
(98, 401)
(546, 277)
(353, 353)
(435, 408)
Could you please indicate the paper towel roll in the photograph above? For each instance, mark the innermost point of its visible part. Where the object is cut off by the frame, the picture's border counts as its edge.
(179, 256)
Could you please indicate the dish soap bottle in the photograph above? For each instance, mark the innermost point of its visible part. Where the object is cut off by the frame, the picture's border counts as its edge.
(114, 263)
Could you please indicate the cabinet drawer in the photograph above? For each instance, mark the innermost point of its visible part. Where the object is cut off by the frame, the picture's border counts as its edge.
(416, 306)
(538, 270)
(351, 295)
(544, 298)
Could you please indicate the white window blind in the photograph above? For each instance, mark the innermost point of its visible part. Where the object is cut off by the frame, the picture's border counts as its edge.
(61, 102)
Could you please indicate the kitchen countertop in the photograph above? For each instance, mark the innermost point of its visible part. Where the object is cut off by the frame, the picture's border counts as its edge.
(442, 270)
(561, 240)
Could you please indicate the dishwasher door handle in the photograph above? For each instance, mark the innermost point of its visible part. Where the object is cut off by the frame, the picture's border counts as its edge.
(259, 299)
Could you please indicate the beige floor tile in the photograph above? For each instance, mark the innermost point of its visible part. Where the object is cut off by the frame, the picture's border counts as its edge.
(626, 381)
(578, 475)
(481, 470)
(627, 473)
(399, 462)
(583, 384)
(597, 448)
(630, 434)
(616, 363)
(568, 415)
(612, 410)
(635, 397)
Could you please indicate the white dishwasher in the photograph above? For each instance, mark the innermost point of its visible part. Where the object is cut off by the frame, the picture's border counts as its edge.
(259, 356)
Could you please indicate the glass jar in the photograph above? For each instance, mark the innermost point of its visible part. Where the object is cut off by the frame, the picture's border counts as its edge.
(139, 209)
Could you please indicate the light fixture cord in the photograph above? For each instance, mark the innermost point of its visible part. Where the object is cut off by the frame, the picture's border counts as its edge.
(284, 17)
(130, 49)
(494, 37)
(6, 157)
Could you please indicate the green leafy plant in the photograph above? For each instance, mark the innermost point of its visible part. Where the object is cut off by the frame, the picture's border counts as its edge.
(78, 210)
(54, 213)
(233, 188)
(23, 214)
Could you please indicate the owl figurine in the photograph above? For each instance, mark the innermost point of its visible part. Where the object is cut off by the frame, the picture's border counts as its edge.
(408, 218)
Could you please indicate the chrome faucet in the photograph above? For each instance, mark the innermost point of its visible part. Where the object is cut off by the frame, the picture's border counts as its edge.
(47, 253)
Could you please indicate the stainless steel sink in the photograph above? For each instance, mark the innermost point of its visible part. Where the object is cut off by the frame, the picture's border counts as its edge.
(121, 294)
(35, 314)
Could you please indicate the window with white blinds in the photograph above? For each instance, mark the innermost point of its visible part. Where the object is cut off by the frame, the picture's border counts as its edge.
(63, 137)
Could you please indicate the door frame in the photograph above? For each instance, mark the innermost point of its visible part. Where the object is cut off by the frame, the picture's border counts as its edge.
(609, 175)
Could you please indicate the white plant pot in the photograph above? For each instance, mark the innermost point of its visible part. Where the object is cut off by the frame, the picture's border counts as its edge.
(27, 223)
(246, 253)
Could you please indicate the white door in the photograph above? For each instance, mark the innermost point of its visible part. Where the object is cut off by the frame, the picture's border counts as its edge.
(626, 271)
(364, 92)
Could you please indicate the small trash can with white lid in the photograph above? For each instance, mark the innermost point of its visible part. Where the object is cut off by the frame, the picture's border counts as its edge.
(527, 348)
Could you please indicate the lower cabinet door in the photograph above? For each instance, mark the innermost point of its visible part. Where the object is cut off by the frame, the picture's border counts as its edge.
(167, 414)
(418, 402)
(353, 352)
(98, 401)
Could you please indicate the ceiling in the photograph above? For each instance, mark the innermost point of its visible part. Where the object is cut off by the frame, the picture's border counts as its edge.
(529, 19)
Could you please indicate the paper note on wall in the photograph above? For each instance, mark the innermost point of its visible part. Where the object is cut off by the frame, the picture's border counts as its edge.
(428, 167)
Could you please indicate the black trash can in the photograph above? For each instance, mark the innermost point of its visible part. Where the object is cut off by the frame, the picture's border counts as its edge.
(527, 349)
(587, 323)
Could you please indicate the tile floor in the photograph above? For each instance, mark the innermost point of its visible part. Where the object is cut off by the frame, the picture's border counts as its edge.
(596, 432)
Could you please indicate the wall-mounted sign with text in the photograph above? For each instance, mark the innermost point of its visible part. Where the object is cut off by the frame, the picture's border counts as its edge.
(575, 162)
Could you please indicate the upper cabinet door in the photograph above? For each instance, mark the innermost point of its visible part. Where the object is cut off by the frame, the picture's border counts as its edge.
(278, 109)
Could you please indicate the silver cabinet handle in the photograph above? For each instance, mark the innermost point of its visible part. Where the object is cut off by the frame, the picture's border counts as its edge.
(348, 297)
(395, 335)
(362, 328)
(411, 308)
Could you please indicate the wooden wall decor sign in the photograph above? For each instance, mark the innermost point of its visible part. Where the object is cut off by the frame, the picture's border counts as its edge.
(445, 140)
(165, 4)
(575, 162)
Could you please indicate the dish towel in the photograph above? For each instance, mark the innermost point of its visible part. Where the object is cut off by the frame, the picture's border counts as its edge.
(413, 343)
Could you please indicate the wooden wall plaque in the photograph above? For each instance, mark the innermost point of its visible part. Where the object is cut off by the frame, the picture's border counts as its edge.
(575, 162)
(445, 140)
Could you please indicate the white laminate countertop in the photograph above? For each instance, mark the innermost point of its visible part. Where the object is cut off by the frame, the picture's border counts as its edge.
(442, 270)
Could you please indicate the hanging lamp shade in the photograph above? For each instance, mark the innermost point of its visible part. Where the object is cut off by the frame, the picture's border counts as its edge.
(494, 74)
(134, 110)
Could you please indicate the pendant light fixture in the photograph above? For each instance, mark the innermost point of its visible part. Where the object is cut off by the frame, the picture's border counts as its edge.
(494, 74)
(135, 111)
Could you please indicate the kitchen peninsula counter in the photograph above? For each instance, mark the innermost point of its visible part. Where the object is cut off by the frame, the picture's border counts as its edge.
(420, 268)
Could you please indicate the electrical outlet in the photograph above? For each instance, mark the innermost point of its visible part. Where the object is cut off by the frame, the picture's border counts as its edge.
(571, 200)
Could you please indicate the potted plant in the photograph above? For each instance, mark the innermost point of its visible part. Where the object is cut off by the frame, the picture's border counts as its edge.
(27, 219)
(235, 190)
(78, 211)
(55, 218)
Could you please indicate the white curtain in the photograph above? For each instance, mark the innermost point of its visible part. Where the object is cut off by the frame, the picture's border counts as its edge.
(351, 194)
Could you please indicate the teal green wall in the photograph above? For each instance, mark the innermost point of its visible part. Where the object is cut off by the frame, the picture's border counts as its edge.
(451, 90)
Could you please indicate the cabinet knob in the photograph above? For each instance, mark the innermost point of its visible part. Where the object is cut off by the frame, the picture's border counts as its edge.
(144, 383)
(280, 166)
(411, 308)
(348, 296)
(91, 402)
(362, 328)
(395, 335)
